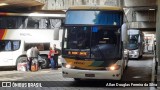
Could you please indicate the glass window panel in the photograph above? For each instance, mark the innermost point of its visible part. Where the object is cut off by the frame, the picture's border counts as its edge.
(33, 23)
(43, 24)
(16, 45)
(11, 23)
(2, 45)
(93, 17)
(55, 23)
(2, 23)
(8, 46)
(40, 46)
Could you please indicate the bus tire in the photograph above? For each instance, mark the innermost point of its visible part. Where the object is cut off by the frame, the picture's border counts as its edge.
(21, 60)
(45, 62)
(140, 57)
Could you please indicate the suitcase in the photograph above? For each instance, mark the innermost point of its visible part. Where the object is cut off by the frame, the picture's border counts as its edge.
(22, 66)
(34, 66)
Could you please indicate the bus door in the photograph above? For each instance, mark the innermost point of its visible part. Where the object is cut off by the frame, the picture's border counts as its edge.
(6, 53)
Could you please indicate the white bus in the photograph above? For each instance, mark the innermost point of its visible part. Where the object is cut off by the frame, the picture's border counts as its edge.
(136, 43)
(93, 43)
(20, 31)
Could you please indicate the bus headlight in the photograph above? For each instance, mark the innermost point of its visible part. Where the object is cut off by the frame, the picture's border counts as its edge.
(68, 66)
(135, 52)
(114, 67)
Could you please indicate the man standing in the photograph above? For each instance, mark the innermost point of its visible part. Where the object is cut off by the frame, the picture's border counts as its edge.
(29, 58)
(32, 53)
(50, 57)
(35, 53)
(55, 57)
(35, 57)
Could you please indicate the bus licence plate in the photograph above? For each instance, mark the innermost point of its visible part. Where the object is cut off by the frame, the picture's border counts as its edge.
(89, 75)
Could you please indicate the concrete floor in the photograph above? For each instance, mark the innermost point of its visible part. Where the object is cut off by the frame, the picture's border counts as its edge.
(139, 71)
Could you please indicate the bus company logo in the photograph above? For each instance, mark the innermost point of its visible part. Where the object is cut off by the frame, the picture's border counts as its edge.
(25, 34)
(79, 63)
(6, 84)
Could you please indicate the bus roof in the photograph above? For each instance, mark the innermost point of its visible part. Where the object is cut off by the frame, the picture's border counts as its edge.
(114, 8)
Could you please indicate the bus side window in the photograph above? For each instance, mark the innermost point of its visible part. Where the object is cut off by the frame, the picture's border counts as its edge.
(11, 23)
(2, 23)
(20, 22)
(25, 23)
(2, 46)
(16, 45)
(33, 23)
(55, 23)
(8, 46)
(36, 26)
(43, 24)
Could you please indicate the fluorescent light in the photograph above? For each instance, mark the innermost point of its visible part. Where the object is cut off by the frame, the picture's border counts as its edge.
(151, 9)
(3, 4)
(49, 15)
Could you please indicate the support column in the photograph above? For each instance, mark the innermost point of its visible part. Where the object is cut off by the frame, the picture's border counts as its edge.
(158, 32)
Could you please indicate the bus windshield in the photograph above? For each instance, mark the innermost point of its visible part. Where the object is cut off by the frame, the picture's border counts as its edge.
(95, 17)
(101, 42)
(80, 37)
(133, 42)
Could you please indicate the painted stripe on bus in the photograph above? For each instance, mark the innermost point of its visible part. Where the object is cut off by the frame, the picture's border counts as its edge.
(3, 14)
(3, 33)
(85, 64)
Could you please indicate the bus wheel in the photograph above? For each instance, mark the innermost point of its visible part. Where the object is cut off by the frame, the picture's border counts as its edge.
(140, 57)
(45, 62)
(21, 60)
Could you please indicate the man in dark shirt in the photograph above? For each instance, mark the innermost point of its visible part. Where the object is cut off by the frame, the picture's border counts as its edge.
(55, 57)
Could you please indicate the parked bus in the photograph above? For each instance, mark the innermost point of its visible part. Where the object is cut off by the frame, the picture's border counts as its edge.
(20, 31)
(93, 43)
(136, 43)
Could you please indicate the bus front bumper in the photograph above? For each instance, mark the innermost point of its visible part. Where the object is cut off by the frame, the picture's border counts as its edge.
(133, 56)
(91, 74)
(134, 53)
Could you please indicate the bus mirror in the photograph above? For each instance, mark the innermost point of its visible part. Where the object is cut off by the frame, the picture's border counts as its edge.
(124, 32)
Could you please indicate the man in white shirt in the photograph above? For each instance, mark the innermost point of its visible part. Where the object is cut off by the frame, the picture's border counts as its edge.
(29, 58)
(35, 52)
(32, 53)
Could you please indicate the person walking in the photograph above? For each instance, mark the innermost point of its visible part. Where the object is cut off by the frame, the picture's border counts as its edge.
(55, 57)
(50, 57)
